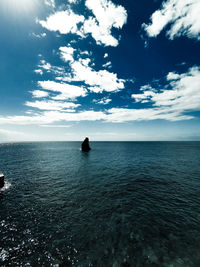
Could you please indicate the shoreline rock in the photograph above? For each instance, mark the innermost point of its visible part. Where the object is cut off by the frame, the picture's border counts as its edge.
(85, 145)
(2, 182)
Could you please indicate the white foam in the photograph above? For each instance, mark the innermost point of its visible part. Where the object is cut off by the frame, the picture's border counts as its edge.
(3, 254)
(7, 185)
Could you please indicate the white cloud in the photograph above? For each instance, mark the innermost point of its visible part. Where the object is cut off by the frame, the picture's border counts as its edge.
(180, 96)
(173, 103)
(146, 95)
(58, 70)
(182, 16)
(123, 115)
(81, 71)
(73, 1)
(48, 117)
(85, 53)
(98, 81)
(39, 93)
(66, 53)
(63, 21)
(52, 105)
(45, 65)
(103, 101)
(95, 89)
(107, 15)
(115, 115)
(185, 92)
(66, 91)
(107, 64)
(102, 36)
(172, 76)
(85, 61)
(105, 55)
(39, 71)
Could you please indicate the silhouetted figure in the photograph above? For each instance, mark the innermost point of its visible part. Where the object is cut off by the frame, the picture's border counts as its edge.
(85, 145)
(1, 180)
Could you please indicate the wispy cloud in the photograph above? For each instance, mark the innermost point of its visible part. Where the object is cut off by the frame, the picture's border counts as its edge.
(39, 94)
(114, 115)
(52, 105)
(181, 15)
(119, 115)
(38, 35)
(179, 96)
(38, 71)
(49, 117)
(65, 91)
(98, 81)
(45, 66)
(104, 101)
(107, 64)
(82, 71)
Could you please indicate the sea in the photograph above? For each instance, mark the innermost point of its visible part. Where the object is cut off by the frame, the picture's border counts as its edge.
(120, 204)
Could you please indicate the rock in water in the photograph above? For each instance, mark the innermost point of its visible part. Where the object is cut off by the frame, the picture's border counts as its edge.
(85, 145)
(1, 180)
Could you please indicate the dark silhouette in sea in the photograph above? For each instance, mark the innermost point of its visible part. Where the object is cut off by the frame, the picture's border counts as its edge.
(85, 145)
(2, 180)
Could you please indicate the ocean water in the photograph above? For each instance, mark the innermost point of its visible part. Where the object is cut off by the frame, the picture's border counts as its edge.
(121, 204)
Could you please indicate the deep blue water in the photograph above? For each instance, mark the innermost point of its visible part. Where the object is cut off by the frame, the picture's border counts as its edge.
(121, 204)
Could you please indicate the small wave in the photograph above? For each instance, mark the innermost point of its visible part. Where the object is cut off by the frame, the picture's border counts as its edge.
(7, 185)
(4, 255)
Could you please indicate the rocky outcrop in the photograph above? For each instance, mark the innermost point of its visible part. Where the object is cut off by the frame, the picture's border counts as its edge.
(85, 145)
(1, 180)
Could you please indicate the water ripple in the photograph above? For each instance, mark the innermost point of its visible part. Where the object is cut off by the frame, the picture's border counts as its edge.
(123, 204)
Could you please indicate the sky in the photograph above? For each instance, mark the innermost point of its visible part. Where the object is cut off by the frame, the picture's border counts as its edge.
(112, 70)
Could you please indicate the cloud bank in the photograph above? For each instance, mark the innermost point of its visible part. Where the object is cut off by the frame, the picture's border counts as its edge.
(180, 97)
(64, 91)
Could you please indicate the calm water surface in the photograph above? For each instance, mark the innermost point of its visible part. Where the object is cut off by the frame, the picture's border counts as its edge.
(121, 204)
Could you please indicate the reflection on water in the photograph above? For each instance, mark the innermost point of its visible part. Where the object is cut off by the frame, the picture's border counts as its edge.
(121, 204)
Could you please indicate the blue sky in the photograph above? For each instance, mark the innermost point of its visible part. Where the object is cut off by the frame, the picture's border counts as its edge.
(110, 70)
